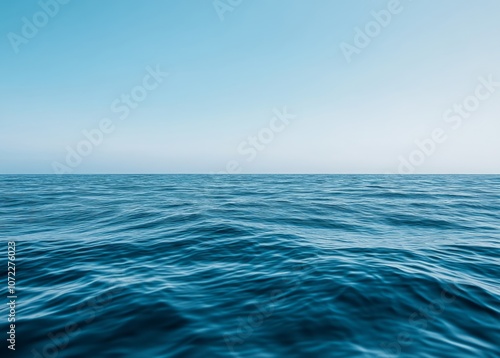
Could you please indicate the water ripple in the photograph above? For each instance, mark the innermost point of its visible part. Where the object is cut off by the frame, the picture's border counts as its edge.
(255, 266)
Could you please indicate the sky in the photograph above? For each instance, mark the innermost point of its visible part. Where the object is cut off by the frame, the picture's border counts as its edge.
(250, 86)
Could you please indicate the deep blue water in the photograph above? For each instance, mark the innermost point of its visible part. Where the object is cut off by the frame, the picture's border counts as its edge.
(253, 266)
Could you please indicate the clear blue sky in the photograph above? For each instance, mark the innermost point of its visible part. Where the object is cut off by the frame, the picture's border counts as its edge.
(226, 77)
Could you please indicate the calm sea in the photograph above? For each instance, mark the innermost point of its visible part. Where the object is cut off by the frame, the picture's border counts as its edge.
(253, 266)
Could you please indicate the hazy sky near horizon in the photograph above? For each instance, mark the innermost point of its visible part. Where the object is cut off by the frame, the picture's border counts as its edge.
(366, 86)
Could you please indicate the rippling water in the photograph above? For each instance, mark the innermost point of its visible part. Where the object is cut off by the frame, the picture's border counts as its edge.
(254, 266)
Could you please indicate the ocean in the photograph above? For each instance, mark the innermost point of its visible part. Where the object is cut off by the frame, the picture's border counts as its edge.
(252, 265)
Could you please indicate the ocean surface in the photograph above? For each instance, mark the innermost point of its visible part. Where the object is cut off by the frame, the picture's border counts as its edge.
(253, 266)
